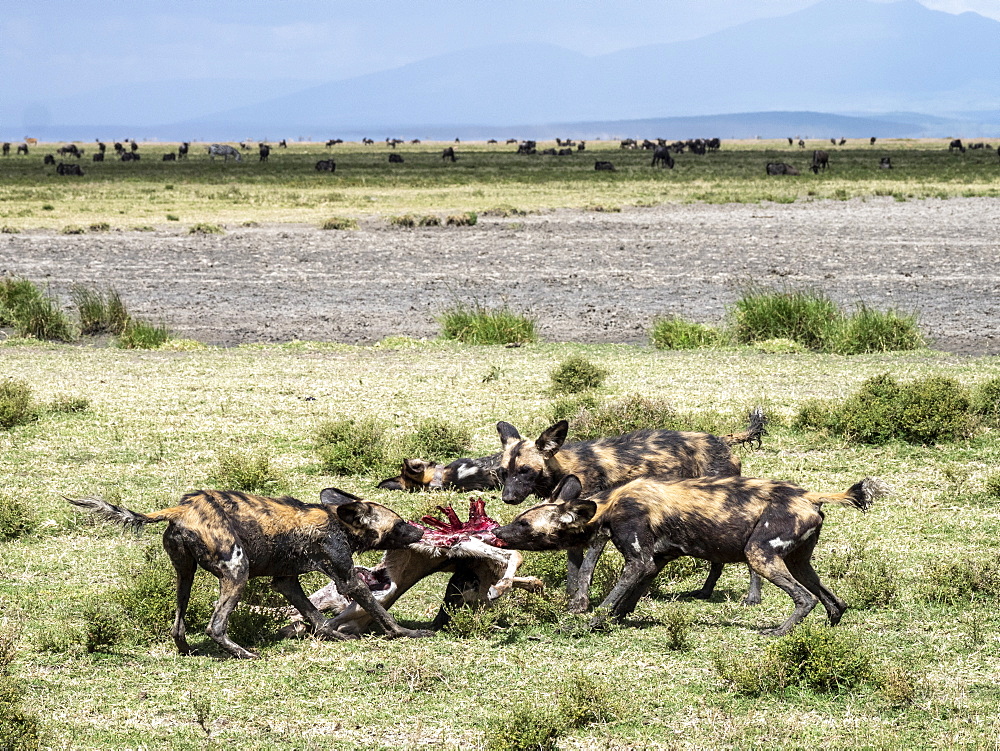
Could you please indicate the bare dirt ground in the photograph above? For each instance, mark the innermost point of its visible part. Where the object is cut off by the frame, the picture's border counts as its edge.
(586, 276)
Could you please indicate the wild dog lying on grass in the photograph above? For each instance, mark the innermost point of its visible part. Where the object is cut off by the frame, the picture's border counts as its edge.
(481, 572)
(462, 474)
(236, 536)
(771, 525)
(536, 467)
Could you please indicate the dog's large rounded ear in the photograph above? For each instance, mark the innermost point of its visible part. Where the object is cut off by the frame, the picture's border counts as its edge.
(553, 438)
(568, 489)
(335, 497)
(507, 432)
(579, 510)
(414, 466)
(354, 513)
(393, 483)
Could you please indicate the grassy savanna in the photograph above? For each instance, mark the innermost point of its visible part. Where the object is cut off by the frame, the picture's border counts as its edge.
(157, 423)
(287, 188)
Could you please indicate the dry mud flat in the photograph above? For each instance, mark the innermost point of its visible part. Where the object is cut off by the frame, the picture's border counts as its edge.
(586, 276)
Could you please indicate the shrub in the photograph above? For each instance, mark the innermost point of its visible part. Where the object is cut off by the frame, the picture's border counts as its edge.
(993, 485)
(204, 228)
(15, 404)
(814, 657)
(525, 729)
(173, 218)
(250, 473)
(352, 447)
(479, 325)
(99, 311)
(139, 334)
(8, 230)
(986, 398)
(102, 626)
(576, 374)
(437, 440)
(403, 220)
(964, 581)
(15, 294)
(870, 330)
(65, 404)
(340, 222)
(571, 407)
(468, 219)
(100, 227)
(676, 333)
(16, 518)
(73, 229)
(804, 316)
(677, 622)
(817, 414)
(872, 581)
(41, 317)
(429, 221)
(584, 701)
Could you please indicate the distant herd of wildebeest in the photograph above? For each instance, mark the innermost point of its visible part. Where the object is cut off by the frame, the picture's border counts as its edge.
(663, 152)
(656, 495)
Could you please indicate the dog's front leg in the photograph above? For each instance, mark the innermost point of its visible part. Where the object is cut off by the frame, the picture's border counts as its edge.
(290, 587)
(578, 587)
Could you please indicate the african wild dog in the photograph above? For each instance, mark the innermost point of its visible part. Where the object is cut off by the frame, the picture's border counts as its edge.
(771, 525)
(236, 537)
(536, 467)
(462, 474)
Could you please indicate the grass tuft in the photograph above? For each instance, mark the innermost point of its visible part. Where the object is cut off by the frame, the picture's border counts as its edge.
(139, 334)
(468, 219)
(17, 519)
(205, 228)
(352, 447)
(15, 404)
(248, 472)
(340, 222)
(576, 374)
(100, 311)
(674, 332)
(480, 325)
(437, 440)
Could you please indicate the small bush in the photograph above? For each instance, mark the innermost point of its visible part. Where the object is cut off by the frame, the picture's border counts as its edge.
(961, 582)
(352, 447)
(512, 615)
(99, 311)
(897, 685)
(204, 228)
(677, 622)
(584, 701)
(250, 473)
(100, 227)
(34, 314)
(8, 230)
(73, 229)
(576, 374)
(468, 219)
(817, 414)
(340, 222)
(65, 404)
(803, 316)
(437, 440)
(102, 626)
(17, 519)
(870, 330)
(993, 485)
(872, 581)
(15, 404)
(814, 657)
(403, 220)
(429, 221)
(986, 398)
(479, 325)
(525, 729)
(676, 333)
(173, 218)
(140, 334)
(571, 408)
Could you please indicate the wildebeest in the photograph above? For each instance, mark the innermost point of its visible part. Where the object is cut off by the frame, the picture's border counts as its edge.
(6, 148)
(333, 142)
(264, 150)
(236, 537)
(395, 158)
(628, 143)
(128, 156)
(956, 144)
(480, 571)
(820, 160)
(49, 159)
(833, 141)
(102, 147)
(771, 525)
(527, 147)
(118, 147)
(662, 157)
(491, 141)
(71, 149)
(842, 141)
(133, 145)
(22, 149)
(802, 144)
(169, 157)
(367, 141)
(536, 467)
(565, 152)
(448, 153)
(604, 166)
(282, 144)
(548, 152)
(415, 141)
(582, 146)
(872, 141)
(976, 146)
(790, 141)
(510, 141)
(225, 151)
(885, 163)
(98, 156)
(780, 168)
(326, 165)
(69, 169)
(182, 150)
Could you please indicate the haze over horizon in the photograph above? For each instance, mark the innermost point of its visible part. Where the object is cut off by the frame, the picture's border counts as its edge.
(153, 63)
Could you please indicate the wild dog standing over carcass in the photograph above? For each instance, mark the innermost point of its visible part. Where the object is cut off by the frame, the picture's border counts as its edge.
(481, 572)
(771, 525)
(236, 537)
(536, 467)
(462, 474)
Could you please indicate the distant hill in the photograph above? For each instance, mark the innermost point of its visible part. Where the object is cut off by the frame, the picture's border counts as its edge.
(836, 56)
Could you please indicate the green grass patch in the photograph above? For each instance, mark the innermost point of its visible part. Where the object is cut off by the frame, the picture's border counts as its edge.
(339, 223)
(17, 519)
(353, 447)
(205, 228)
(100, 311)
(139, 334)
(477, 324)
(32, 312)
(15, 404)
(248, 471)
(674, 332)
(576, 374)
(437, 440)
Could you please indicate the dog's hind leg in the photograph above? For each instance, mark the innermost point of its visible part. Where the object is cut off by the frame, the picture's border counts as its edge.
(185, 566)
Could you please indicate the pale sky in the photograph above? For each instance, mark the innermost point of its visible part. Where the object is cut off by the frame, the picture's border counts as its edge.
(68, 47)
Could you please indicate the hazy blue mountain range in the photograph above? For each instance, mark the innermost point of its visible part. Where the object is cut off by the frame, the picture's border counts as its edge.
(840, 67)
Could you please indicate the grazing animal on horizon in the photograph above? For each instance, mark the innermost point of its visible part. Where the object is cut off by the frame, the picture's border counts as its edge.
(31, 141)
(662, 157)
(98, 156)
(448, 153)
(536, 467)
(326, 165)
(69, 169)
(170, 157)
(872, 141)
(956, 144)
(885, 163)
(264, 150)
(395, 158)
(771, 525)
(6, 148)
(182, 150)
(820, 160)
(22, 149)
(236, 537)
(49, 159)
(225, 151)
(802, 144)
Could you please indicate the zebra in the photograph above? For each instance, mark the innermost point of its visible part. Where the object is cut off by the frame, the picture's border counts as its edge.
(224, 150)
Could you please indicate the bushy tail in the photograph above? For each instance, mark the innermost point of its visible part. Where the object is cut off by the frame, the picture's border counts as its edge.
(753, 434)
(116, 514)
(861, 494)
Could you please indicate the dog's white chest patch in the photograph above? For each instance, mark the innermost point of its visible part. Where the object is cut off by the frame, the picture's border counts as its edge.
(235, 561)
